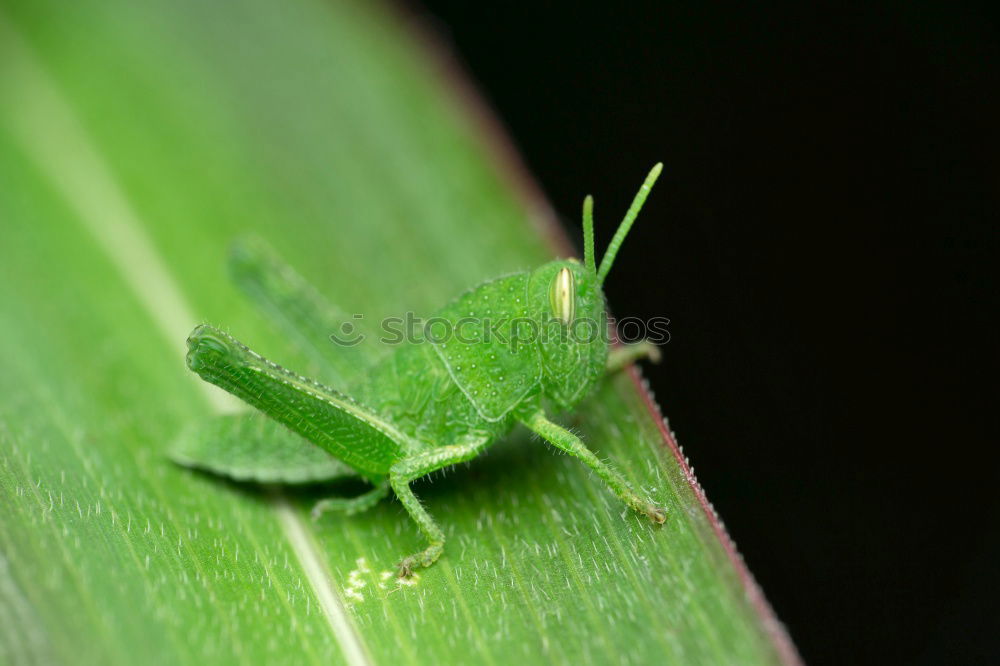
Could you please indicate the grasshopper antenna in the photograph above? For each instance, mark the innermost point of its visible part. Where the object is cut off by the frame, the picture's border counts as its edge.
(623, 228)
(588, 233)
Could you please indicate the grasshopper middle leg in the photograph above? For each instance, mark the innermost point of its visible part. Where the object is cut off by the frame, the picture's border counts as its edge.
(352, 505)
(410, 469)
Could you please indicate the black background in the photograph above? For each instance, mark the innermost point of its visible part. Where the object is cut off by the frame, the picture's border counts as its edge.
(821, 240)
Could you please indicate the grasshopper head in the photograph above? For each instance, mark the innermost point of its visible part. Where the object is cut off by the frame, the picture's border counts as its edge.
(567, 301)
(568, 308)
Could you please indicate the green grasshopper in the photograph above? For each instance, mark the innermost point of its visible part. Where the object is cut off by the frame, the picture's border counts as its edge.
(428, 404)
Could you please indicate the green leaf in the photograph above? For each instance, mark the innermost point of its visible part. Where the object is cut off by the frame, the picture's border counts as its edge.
(136, 141)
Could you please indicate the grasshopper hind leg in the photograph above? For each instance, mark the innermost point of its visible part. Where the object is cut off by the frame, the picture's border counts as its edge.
(352, 505)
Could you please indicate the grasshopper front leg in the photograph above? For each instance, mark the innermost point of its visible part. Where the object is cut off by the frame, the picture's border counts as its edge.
(402, 473)
(624, 355)
(563, 439)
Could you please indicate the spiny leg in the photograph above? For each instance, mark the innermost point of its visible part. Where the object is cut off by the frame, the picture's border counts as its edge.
(620, 357)
(563, 439)
(351, 505)
(410, 469)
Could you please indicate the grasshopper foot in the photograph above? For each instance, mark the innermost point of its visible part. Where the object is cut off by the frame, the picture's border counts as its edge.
(656, 514)
(625, 355)
(420, 560)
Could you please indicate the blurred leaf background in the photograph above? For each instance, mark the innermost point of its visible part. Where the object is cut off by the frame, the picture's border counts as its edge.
(136, 140)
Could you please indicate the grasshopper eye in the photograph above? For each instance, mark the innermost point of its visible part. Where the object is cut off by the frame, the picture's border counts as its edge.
(562, 296)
